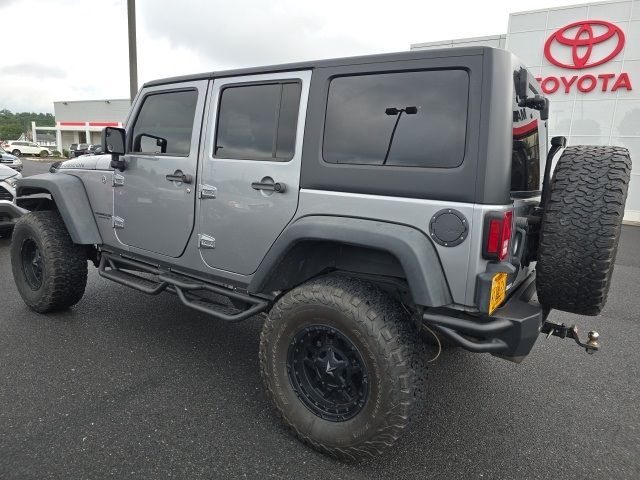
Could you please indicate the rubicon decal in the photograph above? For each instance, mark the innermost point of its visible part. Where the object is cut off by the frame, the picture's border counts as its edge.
(582, 45)
(579, 39)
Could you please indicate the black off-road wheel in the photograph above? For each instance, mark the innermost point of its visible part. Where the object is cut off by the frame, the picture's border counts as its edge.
(581, 227)
(49, 270)
(343, 366)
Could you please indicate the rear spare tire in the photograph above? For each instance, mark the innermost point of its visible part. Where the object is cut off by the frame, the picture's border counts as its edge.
(49, 270)
(581, 227)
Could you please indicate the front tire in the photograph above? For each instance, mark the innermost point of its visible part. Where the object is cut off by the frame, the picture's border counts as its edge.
(16, 153)
(341, 363)
(49, 270)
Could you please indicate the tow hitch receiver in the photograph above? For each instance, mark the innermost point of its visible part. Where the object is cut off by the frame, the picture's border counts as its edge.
(561, 330)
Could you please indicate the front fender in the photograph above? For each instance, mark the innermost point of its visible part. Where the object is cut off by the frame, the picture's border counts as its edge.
(71, 200)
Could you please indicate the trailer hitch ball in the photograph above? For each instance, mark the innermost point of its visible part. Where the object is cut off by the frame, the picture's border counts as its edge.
(563, 331)
(592, 344)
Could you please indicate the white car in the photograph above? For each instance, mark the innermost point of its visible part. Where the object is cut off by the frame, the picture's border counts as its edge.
(19, 147)
(10, 160)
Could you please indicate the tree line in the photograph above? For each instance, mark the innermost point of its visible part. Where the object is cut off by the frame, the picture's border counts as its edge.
(12, 125)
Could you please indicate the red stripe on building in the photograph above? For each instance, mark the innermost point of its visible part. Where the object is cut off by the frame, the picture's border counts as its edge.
(526, 128)
(103, 124)
(72, 124)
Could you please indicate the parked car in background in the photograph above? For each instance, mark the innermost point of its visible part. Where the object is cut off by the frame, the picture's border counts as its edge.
(78, 149)
(10, 160)
(19, 147)
(94, 149)
(9, 211)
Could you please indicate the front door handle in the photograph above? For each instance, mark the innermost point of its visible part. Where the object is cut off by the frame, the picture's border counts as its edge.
(269, 186)
(178, 176)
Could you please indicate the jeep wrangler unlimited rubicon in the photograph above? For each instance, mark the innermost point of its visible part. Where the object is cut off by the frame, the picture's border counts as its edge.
(357, 202)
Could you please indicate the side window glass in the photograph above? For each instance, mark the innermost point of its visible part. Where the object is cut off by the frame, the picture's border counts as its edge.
(406, 119)
(258, 122)
(164, 124)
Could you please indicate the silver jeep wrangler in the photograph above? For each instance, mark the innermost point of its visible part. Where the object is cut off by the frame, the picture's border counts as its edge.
(366, 205)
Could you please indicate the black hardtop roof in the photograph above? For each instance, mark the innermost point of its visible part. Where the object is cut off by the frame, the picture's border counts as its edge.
(334, 62)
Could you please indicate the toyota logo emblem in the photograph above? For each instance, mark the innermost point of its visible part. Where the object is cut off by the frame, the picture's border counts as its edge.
(581, 38)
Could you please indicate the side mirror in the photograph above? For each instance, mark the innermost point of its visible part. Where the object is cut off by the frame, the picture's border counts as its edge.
(113, 142)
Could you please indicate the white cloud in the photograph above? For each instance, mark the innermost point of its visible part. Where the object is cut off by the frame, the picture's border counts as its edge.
(74, 49)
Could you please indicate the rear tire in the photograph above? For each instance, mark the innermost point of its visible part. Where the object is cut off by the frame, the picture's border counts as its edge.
(49, 270)
(581, 228)
(366, 330)
(44, 153)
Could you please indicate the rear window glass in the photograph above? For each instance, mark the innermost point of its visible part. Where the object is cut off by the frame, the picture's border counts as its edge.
(409, 119)
(525, 156)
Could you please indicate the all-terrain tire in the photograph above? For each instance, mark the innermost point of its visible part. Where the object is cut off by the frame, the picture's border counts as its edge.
(581, 227)
(63, 272)
(390, 346)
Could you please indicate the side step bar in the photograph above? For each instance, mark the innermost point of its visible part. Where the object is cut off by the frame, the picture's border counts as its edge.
(111, 267)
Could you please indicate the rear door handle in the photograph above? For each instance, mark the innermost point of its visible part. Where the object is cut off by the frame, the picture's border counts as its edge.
(269, 186)
(178, 176)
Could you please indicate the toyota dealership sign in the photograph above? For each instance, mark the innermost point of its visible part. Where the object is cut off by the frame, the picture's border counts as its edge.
(579, 47)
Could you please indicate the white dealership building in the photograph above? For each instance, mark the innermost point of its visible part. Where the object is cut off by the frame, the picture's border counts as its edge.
(587, 59)
(81, 121)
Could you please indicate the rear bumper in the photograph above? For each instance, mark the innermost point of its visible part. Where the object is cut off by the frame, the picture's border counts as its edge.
(9, 214)
(510, 332)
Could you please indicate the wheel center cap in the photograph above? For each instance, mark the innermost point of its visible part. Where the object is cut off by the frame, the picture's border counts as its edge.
(330, 368)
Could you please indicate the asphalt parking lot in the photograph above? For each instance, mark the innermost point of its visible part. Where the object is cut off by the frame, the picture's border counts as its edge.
(129, 386)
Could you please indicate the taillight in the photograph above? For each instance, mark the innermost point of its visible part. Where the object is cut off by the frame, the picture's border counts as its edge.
(497, 233)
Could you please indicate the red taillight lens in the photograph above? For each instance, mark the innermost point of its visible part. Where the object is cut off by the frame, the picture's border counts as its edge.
(495, 231)
(498, 228)
(506, 235)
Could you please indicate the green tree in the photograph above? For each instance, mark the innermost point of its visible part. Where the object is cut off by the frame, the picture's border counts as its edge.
(12, 125)
(10, 131)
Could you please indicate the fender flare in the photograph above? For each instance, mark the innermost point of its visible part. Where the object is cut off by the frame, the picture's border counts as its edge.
(71, 200)
(411, 247)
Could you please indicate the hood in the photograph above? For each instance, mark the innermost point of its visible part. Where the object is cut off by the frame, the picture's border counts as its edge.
(8, 156)
(6, 172)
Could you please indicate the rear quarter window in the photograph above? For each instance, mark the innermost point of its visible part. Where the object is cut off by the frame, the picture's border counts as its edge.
(407, 119)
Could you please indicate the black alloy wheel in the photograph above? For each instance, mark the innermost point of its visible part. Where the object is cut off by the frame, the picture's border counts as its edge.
(327, 373)
(32, 264)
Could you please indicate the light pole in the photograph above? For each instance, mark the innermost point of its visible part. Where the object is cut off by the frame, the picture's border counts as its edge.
(133, 54)
(398, 112)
